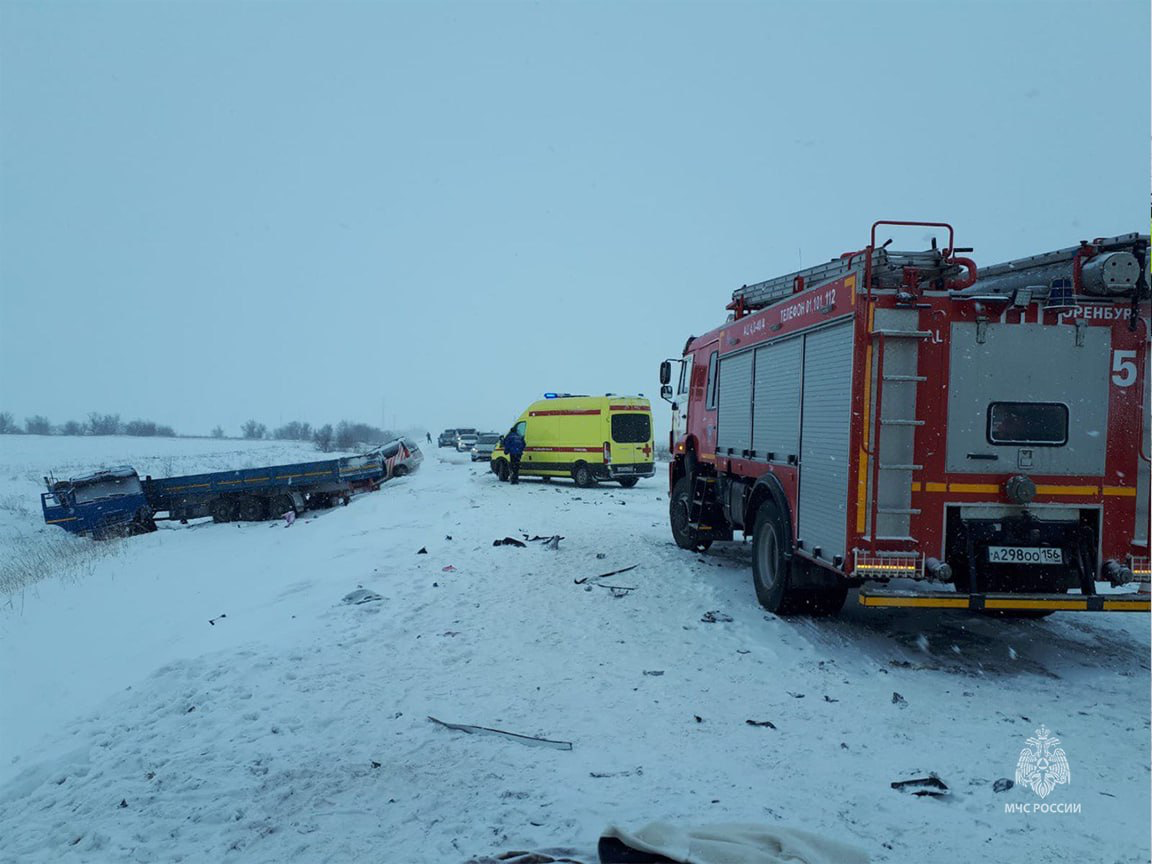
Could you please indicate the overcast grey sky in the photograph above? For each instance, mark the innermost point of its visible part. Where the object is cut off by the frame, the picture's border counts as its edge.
(212, 211)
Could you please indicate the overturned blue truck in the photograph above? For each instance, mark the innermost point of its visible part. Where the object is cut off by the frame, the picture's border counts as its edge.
(116, 502)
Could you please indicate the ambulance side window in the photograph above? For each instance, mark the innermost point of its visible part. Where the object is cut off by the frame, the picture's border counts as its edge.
(710, 402)
(521, 427)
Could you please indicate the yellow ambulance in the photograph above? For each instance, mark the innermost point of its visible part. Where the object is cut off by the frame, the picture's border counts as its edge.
(587, 438)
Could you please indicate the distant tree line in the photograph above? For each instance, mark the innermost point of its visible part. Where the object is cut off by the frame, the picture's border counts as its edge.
(96, 424)
(345, 435)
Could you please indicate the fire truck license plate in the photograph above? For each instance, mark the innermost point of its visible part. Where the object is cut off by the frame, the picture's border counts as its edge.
(1024, 555)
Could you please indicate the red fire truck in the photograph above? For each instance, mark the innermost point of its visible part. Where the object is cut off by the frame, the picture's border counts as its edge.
(905, 415)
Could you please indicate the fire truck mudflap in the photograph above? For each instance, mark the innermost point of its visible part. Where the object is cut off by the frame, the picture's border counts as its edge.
(893, 416)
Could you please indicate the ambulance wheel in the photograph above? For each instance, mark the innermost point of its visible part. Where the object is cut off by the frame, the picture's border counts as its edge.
(502, 470)
(401, 471)
(678, 518)
(771, 568)
(250, 509)
(629, 482)
(222, 510)
(582, 475)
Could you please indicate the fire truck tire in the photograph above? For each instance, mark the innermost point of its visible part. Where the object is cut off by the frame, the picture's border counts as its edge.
(582, 475)
(251, 509)
(771, 570)
(629, 482)
(501, 469)
(222, 510)
(678, 512)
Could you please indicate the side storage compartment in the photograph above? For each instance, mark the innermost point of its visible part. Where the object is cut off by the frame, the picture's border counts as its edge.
(734, 406)
(776, 402)
(824, 438)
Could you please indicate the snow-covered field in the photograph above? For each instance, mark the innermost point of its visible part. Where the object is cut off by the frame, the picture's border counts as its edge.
(295, 727)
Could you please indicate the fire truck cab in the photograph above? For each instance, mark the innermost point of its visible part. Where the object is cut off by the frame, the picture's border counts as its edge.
(907, 416)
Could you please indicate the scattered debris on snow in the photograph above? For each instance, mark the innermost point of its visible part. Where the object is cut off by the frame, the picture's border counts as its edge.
(584, 579)
(600, 775)
(529, 740)
(361, 595)
(931, 786)
(716, 617)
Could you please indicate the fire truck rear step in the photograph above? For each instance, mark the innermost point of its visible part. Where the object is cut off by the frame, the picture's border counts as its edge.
(1128, 602)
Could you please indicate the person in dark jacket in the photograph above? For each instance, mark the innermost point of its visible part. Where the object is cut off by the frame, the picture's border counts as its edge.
(514, 447)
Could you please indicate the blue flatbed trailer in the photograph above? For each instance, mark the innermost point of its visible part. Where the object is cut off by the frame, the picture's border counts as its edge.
(118, 502)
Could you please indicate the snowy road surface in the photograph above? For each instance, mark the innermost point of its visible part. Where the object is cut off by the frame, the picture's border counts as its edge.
(295, 727)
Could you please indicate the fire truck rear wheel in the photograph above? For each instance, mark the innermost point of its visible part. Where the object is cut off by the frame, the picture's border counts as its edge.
(771, 570)
(678, 517)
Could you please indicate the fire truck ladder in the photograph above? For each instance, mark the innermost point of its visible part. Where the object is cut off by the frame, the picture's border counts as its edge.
(703, 494)
(888, 271)
(896, 342)
(1106, 267)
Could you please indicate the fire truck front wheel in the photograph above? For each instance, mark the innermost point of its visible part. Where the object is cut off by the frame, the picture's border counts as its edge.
(771, 567)
(679, 506)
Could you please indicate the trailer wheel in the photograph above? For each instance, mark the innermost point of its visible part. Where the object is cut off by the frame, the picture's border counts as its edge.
(771, 569)
(582, 475)
(222, 510)
(280, 505)
(629, 482)
(251, 509)
(143, 523)
(678, 518)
